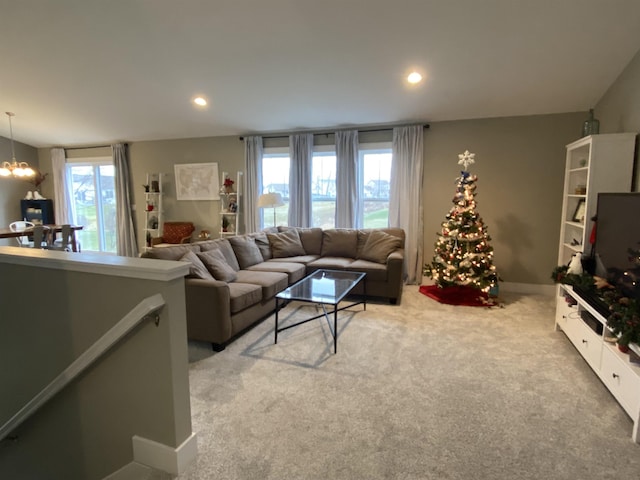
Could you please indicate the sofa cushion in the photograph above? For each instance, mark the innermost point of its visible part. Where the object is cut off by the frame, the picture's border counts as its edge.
(217, 265)
(262, 242)
(271, 282)
(246, 250)
(173, 252)
(285, 244)
(295, 271)
(304, 259)
(225, 247)
(376, 272)
(339, 242)
(331, 263)
(379, 246)
(197, 269)
(243, 295)
(311, 238)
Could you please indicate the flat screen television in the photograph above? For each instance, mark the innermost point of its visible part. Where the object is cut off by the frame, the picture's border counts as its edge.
(618, 232)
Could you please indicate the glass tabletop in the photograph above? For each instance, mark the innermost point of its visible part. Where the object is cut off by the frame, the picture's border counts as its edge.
(323, 286)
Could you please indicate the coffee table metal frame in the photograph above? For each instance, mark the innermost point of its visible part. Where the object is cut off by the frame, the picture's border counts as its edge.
(303, 291)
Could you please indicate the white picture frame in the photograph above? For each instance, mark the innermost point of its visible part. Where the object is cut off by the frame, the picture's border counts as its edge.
(197, 181)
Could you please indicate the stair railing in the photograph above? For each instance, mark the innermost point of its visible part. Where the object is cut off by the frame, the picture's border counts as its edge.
(147, 309)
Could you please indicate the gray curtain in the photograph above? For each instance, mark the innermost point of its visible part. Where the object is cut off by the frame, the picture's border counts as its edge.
(62, 204)
(126, 233)
(301, 155)
(253, 182)
(405, 204)
(347, 203)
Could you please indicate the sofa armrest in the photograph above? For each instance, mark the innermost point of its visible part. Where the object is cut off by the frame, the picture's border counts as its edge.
(395, 264)
(208, 304)
(186, 239)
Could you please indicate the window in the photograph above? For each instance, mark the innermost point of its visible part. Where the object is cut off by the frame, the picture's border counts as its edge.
(275, 179)
(93, 198)
(375, 184)
(323, 189)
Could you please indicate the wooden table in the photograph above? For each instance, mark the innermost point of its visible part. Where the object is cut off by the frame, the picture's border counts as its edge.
(8, 233)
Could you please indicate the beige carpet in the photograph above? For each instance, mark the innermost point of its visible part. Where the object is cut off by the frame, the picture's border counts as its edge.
(417, 391)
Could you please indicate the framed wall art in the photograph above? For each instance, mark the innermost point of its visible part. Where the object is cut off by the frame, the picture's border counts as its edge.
(197, 181)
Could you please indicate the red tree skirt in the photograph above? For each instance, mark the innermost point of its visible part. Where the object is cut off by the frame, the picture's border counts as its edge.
(458, 295)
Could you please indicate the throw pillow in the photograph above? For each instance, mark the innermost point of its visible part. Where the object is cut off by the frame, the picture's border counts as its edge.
(339, 242)
(262, 243)
(197, 268)
(379, 246)
(285, 244)
(246, 250)
(216, 264)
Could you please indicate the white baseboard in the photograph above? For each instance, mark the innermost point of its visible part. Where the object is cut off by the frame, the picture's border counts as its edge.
(528, 288)
(163, 457)
(131, 471)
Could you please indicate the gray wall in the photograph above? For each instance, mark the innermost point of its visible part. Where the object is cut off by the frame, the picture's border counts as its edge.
(13, 189)
(140, 387)
(619, 109)
(520, 169)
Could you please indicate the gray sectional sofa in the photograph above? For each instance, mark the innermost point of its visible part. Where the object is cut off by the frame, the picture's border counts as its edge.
(233, 281)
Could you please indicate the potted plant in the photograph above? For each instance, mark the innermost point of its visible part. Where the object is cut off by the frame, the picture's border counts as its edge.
(225, 223)
(624, 320)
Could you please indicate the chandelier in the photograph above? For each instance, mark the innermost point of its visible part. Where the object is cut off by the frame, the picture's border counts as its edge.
(15, 168)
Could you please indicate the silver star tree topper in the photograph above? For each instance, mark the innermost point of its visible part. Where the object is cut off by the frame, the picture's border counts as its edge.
(466, 159)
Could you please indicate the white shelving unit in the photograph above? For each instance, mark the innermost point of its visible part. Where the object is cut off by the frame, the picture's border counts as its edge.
(588, 332)
(153, 211)
(595, 164)
(230, 208)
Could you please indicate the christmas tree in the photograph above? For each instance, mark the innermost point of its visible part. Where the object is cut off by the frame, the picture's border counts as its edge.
(463, 255)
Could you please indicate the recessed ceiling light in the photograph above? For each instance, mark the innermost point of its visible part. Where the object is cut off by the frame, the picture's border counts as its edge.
(414, 77)
(200, 101)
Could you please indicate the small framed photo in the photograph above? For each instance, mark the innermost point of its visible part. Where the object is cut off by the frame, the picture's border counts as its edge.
(581, 210)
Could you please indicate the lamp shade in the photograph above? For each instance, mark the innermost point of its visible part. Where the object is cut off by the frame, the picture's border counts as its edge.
(270, 200)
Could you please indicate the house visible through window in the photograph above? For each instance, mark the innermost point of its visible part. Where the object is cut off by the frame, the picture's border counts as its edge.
(92, 191)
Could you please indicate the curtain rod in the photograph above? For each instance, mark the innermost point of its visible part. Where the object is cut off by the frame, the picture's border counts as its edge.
(332, 133)
(86, 148)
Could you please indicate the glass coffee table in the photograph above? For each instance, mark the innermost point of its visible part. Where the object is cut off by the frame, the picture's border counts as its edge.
(323, 287)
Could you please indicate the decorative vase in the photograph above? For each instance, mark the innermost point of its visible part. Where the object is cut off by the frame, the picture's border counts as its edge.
(591, 125)
(228, 189)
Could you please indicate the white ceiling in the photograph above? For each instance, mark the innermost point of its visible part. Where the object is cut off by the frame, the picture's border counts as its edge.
(82, 72)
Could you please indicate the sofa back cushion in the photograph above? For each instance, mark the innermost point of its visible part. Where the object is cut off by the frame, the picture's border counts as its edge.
(217, 265)
(224, 246)
(174, 252)
(311, 238)
(379, 246)
(262, 242)
(246, 250)
(286, 244)
(197, 269)
(339, 242)
(363, 236)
